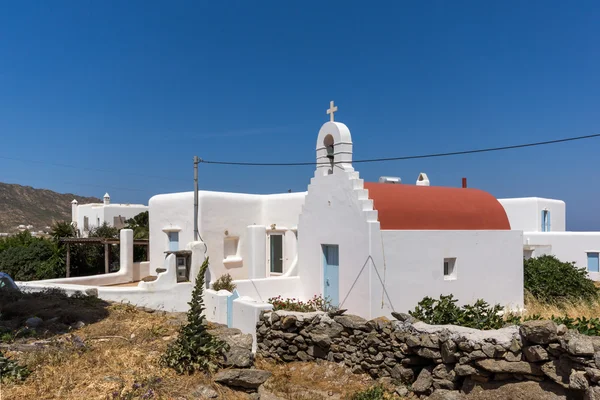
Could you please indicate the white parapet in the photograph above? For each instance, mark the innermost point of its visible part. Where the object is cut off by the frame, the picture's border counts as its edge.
(246, 313)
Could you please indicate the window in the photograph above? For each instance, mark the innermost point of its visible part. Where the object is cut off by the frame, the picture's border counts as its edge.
(173, 241)
(275, 254)
(593, 262)
(230, 247)
(545, 221)
(449, 269)
(86, 224)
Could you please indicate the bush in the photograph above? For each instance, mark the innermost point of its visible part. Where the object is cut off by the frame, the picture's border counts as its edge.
(317, 303)
(372, 393)
(483, 316)
(550, 280)
(444, 311)
(195, 348)
(10, 369)
(225, 282)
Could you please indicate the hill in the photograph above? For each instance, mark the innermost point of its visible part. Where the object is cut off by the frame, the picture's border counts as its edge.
(24, 205)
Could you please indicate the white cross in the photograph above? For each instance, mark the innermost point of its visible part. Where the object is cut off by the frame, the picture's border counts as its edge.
(331, 110)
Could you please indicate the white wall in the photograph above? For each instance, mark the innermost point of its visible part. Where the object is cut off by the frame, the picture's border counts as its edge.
(222, 215)
(525, 214)
(105, 213)
(566, 246)
(489, 266)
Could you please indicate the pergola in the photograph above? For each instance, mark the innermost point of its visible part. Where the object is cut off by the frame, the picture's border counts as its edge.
(104, 241)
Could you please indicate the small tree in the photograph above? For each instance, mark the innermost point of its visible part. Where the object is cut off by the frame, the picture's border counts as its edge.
(195, 348)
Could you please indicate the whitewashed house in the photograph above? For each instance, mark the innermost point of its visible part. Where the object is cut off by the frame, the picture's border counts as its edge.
(543, 222)
(86, 217)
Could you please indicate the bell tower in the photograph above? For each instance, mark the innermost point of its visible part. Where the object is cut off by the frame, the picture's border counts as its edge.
(334, 146)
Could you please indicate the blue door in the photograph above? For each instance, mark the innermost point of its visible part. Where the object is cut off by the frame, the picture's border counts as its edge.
(173, 241)
(331, 271)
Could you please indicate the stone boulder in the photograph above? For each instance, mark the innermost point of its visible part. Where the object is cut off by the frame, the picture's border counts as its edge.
(351, 321)
(242, 378)
(34, 322)
(507, 390)
(424, 381)
(239, 354)
(502, 366)
(539, 332)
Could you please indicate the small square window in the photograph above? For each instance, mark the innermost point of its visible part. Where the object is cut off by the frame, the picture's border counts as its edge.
(449, 269)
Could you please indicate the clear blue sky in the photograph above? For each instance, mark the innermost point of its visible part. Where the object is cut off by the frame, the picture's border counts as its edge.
(137, 88)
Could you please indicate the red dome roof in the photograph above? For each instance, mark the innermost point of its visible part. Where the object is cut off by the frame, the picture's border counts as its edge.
(407, 207)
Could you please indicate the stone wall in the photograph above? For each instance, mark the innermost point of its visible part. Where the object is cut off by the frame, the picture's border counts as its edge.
(427, 358)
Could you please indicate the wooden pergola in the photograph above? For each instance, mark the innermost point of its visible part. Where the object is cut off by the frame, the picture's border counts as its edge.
(103, 241)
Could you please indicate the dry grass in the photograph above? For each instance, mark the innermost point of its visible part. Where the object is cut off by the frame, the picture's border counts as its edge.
(572, 309)
(313, 381)
(106, 359)
(118, 352)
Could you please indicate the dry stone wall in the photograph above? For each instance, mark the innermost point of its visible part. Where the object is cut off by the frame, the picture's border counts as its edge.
(427, 358)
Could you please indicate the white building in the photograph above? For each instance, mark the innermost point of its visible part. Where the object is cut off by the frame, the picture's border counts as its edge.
(543, 222)
(86, 217)
(371, 248)
(354, 242)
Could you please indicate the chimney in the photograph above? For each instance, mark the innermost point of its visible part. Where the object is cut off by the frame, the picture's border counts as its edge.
(106, 199)
(74, 210)
(422, 180)
(464, 183)
(390, 179)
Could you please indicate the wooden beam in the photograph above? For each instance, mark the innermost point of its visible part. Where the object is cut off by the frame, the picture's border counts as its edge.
(68, 260)
(106, 258)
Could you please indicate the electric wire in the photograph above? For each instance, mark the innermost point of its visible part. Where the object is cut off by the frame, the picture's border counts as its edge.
(413, 157)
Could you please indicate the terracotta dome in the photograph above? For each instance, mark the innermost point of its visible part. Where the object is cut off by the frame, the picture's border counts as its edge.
(407, 207)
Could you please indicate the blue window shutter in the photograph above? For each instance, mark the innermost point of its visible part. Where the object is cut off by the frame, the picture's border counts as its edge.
(593, 262)
(548, 221)
(543, 222)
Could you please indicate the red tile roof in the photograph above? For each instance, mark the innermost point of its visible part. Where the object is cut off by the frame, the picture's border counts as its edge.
(408, 207)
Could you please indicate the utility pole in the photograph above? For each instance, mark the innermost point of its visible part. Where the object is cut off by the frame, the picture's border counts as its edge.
(196, 162)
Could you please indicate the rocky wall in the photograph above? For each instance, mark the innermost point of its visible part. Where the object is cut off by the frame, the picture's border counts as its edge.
(427, 358)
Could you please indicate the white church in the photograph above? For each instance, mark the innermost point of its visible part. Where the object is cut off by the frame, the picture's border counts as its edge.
(370, 247)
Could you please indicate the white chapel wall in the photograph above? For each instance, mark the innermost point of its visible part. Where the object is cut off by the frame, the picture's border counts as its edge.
(489, 266)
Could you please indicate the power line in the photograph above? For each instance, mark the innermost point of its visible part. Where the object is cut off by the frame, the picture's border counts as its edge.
(454, 153)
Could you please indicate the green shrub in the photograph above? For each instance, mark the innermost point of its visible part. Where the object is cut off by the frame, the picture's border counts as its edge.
(444, 311)
(225, 282)
(550, 280)
(373, 393)
(195, 348)
(10, 369)
(483, 316)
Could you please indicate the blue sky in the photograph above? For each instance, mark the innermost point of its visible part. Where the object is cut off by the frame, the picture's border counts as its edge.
(130, 91)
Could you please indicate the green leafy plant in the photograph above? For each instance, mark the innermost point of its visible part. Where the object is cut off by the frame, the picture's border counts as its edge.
(373, 393)
(10, 369)
(317, 303)
(482, 315)
(195, 348)
(225, 282)
(550, 280)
